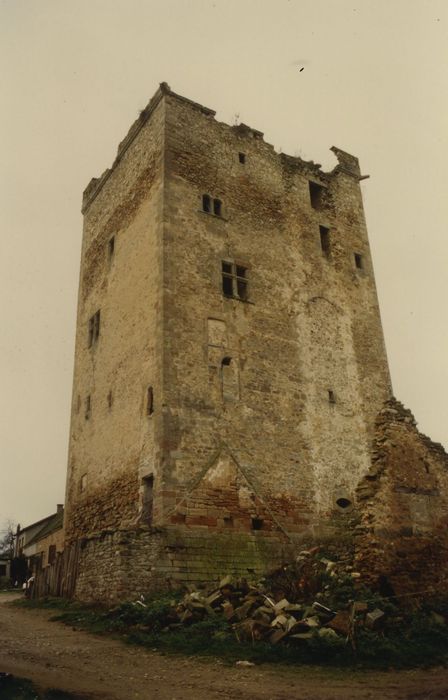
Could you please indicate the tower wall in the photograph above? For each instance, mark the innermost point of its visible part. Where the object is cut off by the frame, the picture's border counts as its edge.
(113, 445)
(310, 324)
(263, 407)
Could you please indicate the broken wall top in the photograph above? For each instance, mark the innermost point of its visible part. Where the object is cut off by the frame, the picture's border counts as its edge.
(347, 163)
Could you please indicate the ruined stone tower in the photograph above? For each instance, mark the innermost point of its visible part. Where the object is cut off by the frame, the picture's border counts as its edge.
(230, 360)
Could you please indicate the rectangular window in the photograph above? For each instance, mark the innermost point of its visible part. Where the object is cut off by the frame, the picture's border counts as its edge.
(217, 207)
(331, 396)
(316, 195)
(325, 240)
(206, 203)
(94, 328)
(234, 280)
(242, 157)
(359, 262)
(2, 569)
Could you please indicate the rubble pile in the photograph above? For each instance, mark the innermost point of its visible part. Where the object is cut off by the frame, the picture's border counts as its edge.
(313, 598)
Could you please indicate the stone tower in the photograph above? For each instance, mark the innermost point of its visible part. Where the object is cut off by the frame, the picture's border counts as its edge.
(229, 361)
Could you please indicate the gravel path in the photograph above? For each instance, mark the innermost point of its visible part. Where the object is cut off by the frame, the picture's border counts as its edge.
(55, 656)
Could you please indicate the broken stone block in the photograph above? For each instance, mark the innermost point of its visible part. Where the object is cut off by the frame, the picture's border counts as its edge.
(281, 605)
(243, 610)
(279, 621)
(214, 598)
(328, 633)
(360, 607)
(225, 582)
(340, 623)
(374, 618)
(294, 608)
(277, 635)
(312, 621)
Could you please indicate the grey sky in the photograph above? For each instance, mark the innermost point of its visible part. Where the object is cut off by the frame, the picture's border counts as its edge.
(75, 74)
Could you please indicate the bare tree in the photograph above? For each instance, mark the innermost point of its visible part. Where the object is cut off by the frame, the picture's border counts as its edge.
(7, 538)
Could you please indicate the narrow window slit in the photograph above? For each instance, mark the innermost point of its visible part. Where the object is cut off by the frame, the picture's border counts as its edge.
(206, 203)
(359, 262)
(325, 240)
(111, 248)
(149, 401)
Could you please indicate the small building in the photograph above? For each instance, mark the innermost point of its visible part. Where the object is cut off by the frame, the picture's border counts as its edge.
(40, 541)
(5, 569)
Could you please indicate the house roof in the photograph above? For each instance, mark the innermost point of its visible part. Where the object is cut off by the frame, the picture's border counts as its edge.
(38, 522)
(54, 522)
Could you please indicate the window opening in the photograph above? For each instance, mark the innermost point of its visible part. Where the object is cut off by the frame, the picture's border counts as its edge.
(228, 521)
(94, 328)
(149, 401)
(110, 399)
(325, 240)
(257, 524)
(217, 207)
(359, 262)
(206, 203)
(316, 195)
(52, 554)
(147, 497)
(234, 280)
(111, 248)
(88, 407)
(242, 157)
(331, 396)
(230, 379)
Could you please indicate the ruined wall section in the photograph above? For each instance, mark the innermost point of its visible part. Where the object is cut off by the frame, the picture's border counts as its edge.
(290, 342)
(112, 441)
(402, 536)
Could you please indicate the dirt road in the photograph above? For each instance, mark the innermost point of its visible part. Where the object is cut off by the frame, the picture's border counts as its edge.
(53, 655)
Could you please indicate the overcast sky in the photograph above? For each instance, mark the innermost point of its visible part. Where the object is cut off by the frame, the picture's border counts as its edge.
(75, 74)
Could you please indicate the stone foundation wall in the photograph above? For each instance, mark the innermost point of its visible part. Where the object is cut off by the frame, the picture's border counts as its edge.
(122, 565)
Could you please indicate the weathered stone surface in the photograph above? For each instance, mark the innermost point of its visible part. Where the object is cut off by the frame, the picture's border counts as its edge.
(215, 431)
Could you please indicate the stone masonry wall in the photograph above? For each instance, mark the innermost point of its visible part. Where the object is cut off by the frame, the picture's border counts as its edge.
(403, 501)
(114, 444)
(310, 323)
(264, 406)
